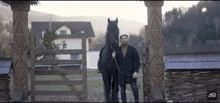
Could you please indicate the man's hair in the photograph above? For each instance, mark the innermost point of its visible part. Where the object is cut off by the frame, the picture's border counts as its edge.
(124, 35)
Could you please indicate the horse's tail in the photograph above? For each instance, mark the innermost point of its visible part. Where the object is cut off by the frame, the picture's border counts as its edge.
(100, 62)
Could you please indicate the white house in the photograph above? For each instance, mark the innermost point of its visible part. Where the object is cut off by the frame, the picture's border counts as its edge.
(69, 35)
(92, 59)
(5, 32)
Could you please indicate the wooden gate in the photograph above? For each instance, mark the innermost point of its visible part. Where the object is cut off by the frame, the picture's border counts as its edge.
(40, 67)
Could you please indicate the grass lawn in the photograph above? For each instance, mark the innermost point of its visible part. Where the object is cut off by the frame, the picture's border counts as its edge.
(94, 87)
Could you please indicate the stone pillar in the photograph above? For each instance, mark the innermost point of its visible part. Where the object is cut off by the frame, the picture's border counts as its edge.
(146, 83)
(154, 34)
(20, 42)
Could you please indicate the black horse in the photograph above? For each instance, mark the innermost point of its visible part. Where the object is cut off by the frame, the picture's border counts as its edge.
(106, 64)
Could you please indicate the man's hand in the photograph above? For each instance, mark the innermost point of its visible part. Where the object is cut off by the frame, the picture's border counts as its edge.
(113, 55)
(135, 74)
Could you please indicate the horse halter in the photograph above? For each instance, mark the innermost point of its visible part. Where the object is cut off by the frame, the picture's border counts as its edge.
(113, 41)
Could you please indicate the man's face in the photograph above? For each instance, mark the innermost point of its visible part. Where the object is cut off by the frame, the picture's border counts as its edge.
(124, 40)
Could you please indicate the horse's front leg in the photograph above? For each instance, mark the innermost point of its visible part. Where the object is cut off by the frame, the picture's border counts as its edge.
(107, 88)
(115, 89)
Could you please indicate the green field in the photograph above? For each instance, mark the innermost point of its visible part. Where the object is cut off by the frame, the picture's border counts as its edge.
(94, 87)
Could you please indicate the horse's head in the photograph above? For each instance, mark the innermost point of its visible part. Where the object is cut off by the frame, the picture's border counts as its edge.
(113, 33)
(111, 42)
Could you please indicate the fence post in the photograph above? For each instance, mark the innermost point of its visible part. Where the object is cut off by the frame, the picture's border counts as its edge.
(84, 67)
(32, 54)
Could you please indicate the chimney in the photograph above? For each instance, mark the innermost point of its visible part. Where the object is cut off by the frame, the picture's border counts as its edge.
(50, 25)
(43, 32)
(50, 18)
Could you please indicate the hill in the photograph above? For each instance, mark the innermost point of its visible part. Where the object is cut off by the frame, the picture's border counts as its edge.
(99, 23)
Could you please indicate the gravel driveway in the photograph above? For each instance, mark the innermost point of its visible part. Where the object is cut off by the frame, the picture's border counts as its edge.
(97, 95)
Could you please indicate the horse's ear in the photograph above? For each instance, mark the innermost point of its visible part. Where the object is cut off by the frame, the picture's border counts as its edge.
(108, 20)
(116, 20)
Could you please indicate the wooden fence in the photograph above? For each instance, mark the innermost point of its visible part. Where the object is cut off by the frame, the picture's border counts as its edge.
(38, 49)
(191, 85)
(4, 88)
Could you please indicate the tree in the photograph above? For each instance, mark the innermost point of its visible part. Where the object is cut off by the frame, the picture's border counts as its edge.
(1, 28)
(181, 23)
(48, 40)
(142, 31)
(98, 42)
(134, 41)
(9, 28)
(172, 16)
(208, 32)
(5, 41)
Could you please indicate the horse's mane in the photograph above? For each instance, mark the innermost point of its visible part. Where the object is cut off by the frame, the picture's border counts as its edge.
(112, 30)
(111, 39)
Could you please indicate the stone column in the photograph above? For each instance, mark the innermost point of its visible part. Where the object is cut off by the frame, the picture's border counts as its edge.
(20, 42)
(154, 36)
(146, 83)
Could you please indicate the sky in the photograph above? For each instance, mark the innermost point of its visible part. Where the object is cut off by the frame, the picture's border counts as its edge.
(132, 10)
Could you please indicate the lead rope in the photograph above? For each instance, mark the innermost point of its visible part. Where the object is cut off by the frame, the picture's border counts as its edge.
(126, 74)
(122, 72)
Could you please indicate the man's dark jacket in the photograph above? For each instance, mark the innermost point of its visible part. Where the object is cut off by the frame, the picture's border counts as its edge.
(127, 65)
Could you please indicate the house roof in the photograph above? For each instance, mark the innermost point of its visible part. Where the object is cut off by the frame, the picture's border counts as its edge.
(208, 61)
(38, 27)
(62, 26)
(5, 66)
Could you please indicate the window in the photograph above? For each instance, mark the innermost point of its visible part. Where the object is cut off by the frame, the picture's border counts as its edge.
(62, 32)
(82, 32)
(64, 45)
(74, 56)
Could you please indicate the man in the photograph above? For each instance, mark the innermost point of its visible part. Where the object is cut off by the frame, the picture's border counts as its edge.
(109, 73)
(128, 63)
